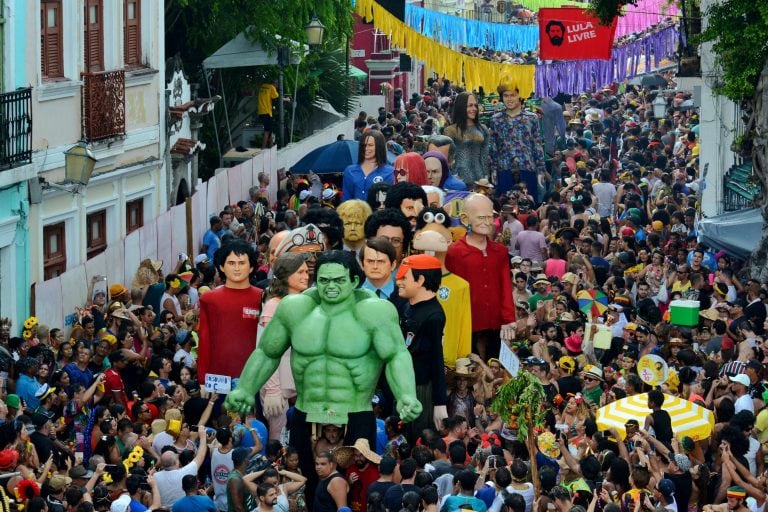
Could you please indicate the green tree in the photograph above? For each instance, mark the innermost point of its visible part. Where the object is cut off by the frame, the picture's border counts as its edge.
(738, 31)
(197, 28)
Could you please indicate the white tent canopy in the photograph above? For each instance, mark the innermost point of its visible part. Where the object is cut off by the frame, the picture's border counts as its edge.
(241, 52)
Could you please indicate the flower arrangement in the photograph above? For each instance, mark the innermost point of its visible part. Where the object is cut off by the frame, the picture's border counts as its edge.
(30, 325)
(135, 456)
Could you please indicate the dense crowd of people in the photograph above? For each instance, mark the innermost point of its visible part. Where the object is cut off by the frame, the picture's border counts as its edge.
(523, 216)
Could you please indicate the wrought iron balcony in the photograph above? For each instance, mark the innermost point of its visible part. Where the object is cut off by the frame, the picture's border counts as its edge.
(103, 104)
(15, 128)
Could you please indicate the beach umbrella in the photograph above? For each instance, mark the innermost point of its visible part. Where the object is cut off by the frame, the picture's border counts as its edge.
(688, 419)
(592, 302)
(331, 158)
(649, 81)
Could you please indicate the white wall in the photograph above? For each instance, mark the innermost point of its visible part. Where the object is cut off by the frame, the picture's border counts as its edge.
(718, 115)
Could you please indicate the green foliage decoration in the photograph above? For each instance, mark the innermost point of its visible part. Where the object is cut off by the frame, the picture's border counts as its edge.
(518, 398)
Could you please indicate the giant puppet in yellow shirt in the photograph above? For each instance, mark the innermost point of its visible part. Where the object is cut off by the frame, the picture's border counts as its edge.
(434, 237)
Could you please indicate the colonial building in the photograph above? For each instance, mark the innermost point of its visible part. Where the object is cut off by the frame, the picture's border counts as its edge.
(96, 72)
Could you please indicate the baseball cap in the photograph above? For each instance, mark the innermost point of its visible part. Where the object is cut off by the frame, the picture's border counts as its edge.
(192, 386)
(418, 262)
(201, 258)
(755, 365)
(741, 379)
(683, 462)
(666, 487)
(13, 401)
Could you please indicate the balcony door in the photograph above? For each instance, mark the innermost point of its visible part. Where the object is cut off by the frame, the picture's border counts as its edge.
(94, 36)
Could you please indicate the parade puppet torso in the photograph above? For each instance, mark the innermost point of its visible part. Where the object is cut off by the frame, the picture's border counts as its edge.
(229, 321)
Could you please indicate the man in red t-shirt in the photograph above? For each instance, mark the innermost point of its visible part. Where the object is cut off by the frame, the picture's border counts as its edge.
(363, 471)
(229, 315)
(113, 383)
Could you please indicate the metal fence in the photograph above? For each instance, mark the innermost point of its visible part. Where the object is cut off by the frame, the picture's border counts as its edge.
(15, 128)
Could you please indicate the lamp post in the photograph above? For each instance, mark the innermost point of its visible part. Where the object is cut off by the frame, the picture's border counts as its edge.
(315, 31)
(659, 106)
(79, 162)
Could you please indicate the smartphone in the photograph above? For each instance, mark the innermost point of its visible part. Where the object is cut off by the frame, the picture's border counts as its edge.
(110, 468)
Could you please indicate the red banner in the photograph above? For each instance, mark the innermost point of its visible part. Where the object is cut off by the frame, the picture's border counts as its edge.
(569, 33)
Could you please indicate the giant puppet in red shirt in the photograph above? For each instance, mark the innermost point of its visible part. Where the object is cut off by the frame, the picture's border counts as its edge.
(484, 264)
(229, 315)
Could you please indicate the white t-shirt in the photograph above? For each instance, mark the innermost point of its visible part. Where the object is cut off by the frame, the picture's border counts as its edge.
(169, 483)
(184, 357)
(162, 439)
(744, 403)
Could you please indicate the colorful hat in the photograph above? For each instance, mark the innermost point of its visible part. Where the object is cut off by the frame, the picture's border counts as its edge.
(117, 289)
(8, 460)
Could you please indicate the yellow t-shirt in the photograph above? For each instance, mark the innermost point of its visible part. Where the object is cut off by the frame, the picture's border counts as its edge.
(453, 295)
(267, 93)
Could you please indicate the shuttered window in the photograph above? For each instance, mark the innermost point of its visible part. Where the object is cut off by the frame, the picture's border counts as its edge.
(94, 36)
(51, 40)
(132, 33)
(96, 233)
(54, 250)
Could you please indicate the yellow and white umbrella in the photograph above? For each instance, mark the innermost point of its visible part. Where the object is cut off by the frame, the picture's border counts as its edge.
(688, 419)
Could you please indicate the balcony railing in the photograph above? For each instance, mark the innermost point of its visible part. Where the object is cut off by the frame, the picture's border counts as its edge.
(103, 104)
(740, 187)
(15, 128)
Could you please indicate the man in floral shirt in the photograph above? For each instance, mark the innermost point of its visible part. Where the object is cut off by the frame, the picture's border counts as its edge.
(516, 152)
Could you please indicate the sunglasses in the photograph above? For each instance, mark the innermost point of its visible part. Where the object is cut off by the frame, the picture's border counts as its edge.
(589, 379)
(401, 172)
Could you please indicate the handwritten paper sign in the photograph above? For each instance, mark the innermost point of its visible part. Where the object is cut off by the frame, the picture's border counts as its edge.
(509, 360)
(601, 338)
(221, 384)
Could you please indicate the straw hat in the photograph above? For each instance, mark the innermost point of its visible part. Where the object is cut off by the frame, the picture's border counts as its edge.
(709, 314)
(466, 368)
(595, 372)
(345, 454)
(483, 182)
(541, 279)
(567, 317)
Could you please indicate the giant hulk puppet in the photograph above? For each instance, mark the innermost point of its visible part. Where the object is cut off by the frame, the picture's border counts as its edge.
(341, 337)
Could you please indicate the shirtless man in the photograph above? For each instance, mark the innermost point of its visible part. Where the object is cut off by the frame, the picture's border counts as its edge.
(335, 380)
(331, 437)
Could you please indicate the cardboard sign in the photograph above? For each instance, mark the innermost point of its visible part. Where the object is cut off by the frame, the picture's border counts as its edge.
(221, 384)
(509, 359)
(601, 339)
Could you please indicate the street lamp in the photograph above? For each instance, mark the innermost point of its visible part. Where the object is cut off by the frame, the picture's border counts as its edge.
(315, 31)
(78, 164)
(659, 106)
